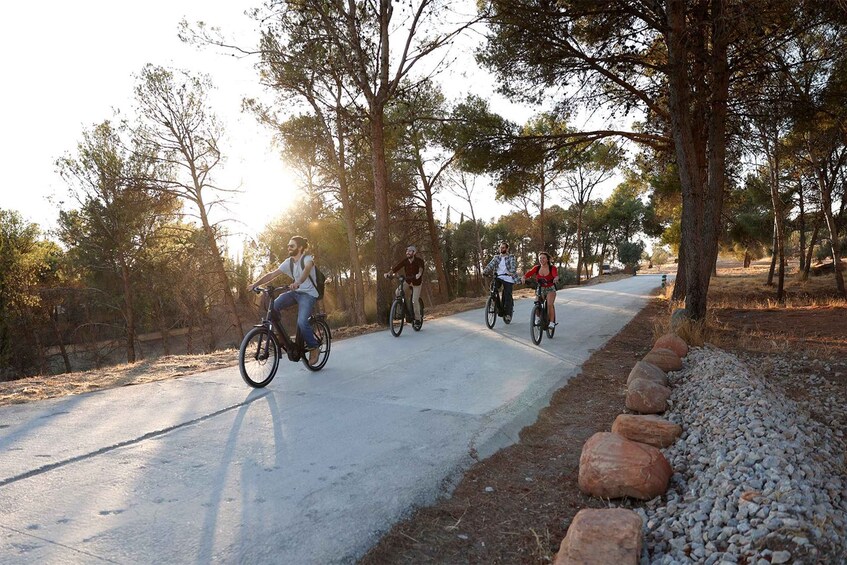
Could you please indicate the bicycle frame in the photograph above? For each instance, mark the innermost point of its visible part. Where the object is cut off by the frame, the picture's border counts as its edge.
(494, 292)
(541, 302)
(400, 294)
(293, 348)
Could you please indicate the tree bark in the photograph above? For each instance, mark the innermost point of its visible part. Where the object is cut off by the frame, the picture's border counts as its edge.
(348, 213)
(772, 269)
(579, 244)
(381, 230)
(801, 219)
(826, 205)
(219, 267)
(698, 110)
(808, 266)
(129, 313)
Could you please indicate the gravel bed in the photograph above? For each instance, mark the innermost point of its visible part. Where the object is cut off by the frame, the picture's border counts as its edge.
(759, 472)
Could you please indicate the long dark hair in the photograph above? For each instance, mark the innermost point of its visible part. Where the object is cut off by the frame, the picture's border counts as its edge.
(300, 241)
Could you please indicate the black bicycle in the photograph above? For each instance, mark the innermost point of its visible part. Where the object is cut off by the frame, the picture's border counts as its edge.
(538, 322)
(494, 307)
(401, 313)
(261, 348)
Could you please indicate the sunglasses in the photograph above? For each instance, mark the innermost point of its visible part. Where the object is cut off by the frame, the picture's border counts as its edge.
(292, 246)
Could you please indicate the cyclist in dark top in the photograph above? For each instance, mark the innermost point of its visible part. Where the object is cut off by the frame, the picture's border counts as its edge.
(546, 274)
(413, 270)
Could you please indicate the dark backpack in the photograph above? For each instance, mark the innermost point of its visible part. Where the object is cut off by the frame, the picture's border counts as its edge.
(319, 280)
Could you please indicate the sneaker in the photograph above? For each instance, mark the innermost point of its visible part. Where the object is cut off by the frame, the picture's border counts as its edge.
(551, 325)
(313, 356)
(508, 318)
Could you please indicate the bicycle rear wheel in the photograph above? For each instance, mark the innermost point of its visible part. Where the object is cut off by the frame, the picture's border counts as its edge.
(397, 317)
(418, 324)
(324, 337)
(490, 312)
(536, 319)
(258, 357)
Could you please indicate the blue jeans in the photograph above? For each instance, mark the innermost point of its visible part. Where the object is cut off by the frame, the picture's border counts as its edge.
(305, 305)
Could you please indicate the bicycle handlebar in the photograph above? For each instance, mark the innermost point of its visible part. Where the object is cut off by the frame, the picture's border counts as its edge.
(268, 289)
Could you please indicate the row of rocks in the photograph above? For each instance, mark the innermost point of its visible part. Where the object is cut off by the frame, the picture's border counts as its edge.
(627, 462)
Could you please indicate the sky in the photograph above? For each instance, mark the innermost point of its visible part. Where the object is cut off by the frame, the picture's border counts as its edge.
(67, 65)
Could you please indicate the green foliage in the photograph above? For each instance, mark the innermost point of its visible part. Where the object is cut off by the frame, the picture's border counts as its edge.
(27, 265)
(629, 253)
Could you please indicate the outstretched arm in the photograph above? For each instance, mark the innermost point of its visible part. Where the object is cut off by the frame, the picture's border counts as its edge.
(266, 278)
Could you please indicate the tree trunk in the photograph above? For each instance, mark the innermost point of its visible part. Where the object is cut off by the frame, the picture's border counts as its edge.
(432, 228)
(219, 267)
(381, 232)
(772, 269)
(541, 213)
(129, 314)
(679, 280)
(578, 245)
(680, 103)
(62, 348)
(163, 328)
(778, 222)
(808, 266)
(698, 118)
(348, 213)
(826, 205)
(802, 226)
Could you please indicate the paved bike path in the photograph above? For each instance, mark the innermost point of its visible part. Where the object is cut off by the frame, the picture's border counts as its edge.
(312, 469)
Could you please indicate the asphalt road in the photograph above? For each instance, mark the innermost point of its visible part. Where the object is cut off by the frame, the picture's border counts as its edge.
(312, 469)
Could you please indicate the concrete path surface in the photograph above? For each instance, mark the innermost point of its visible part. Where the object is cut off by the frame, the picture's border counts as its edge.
(312, 469)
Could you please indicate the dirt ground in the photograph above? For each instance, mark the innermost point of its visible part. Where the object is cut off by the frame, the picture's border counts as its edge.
(516, 506)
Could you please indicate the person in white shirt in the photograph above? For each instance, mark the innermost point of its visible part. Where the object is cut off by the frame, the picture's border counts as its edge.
(302, 291)
(504, 267)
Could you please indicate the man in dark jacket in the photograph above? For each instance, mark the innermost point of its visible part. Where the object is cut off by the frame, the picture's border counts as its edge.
(413, 270)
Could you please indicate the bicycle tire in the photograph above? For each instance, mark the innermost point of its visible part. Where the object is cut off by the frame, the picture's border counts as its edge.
(490, 312)
(258, 357)
(397, 317)
(418, 324)
(536, 319)
(324, 337)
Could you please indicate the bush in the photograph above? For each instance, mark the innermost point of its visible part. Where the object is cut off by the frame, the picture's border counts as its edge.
(567, 276)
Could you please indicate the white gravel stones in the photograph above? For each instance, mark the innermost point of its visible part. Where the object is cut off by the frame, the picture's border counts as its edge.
(758, 477)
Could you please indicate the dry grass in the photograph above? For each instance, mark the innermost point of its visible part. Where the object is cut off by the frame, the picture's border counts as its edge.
(745, 315)
(146, 371)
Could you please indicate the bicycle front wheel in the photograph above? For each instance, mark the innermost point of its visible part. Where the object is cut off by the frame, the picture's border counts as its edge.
(536, 320)
(490, 312)
(397, 317)
(258, 357)
(324, 337)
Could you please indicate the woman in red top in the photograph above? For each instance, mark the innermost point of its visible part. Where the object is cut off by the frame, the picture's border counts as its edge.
(546, 274)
